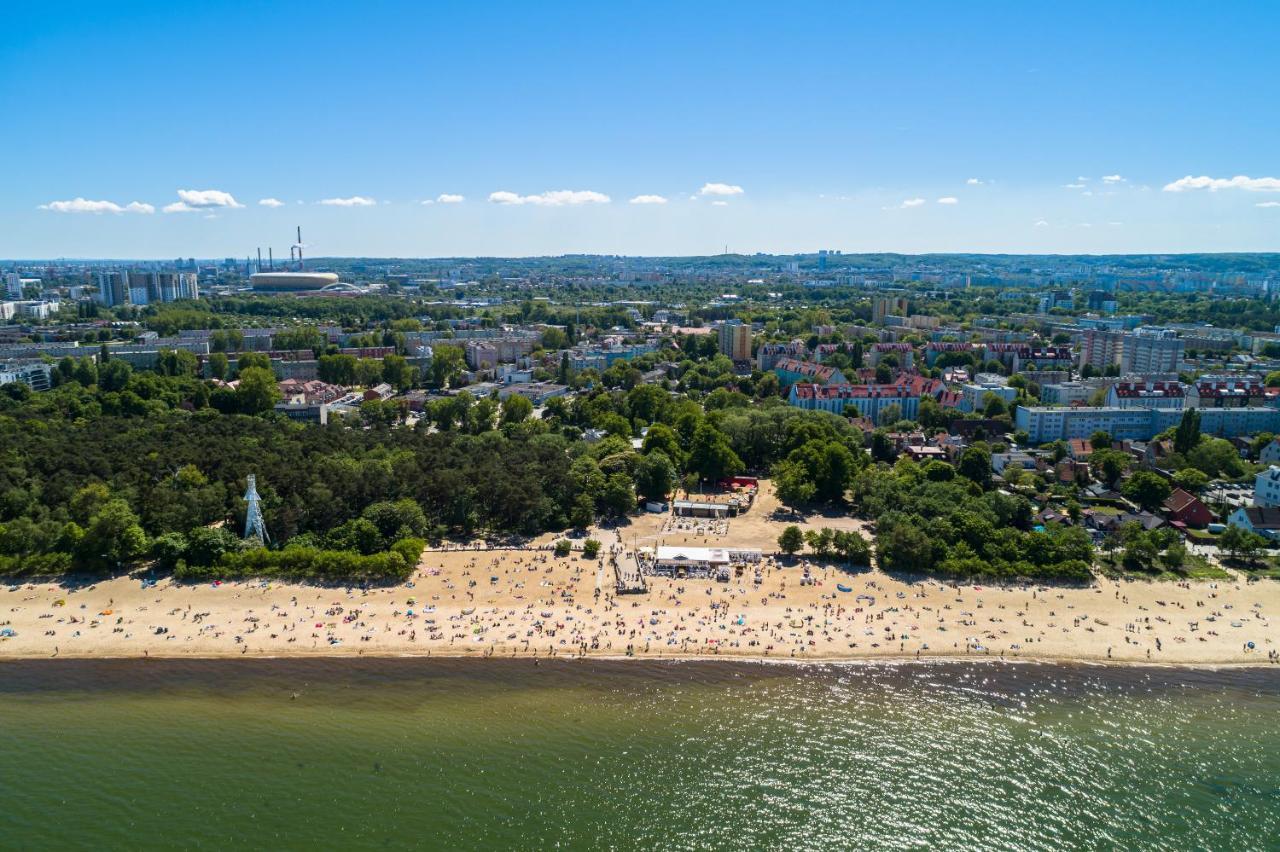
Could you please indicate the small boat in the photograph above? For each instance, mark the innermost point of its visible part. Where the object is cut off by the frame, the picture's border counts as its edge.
(843, 588)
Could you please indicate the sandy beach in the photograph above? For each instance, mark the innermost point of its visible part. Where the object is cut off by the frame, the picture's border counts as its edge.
(530, 603)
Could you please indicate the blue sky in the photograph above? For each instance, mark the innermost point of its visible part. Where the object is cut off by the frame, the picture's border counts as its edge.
(764, 127)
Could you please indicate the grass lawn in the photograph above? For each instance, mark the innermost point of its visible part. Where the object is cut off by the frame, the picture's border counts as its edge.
(1195, 568)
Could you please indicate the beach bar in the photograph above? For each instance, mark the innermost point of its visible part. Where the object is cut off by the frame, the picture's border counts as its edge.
(701, 562)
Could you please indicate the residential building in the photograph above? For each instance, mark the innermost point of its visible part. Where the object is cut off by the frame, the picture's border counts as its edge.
(1184, 507)
(1147, 349)
(1270, 454)
(36, 375)
(903, 352)
(1137, 393)
(1229, 391)
(735, 340)
(1067, 393)
(790, 371)
(1045, 424)
(871, 400)
(936, 348)
(1042, 358)
(1266, 488)
(536, 392)
(973, 395)
(768, 354)
(1263, 520)
(883, 306)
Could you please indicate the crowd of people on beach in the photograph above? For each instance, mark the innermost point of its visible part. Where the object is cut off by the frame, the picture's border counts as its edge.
(534, 603)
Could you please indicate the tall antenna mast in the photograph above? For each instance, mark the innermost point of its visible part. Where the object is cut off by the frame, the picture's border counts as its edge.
(255, 529)
(301, 265)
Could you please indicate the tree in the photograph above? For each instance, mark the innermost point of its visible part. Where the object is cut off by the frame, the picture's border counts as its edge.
(397, 372)
(820, 542)
(1109, 465)
(852, 547)
(882, 449)
(902, 545)
(792, 484)
(618, 497)
(337, 369)
(975, 465)
(114, 375)
(590, 548)
(1187, 435)
(1140, 552)
(889, 415)
(994, 406)
(516, 409)
(662, 439)
(1190, 479)
(112, 538)
(257, 391)
(1100, 440)
(218, 365)
(1216, 457)
(1175, 556)
(655, 476)
(791, 540)
(446, 362)
(710, 455)
(1232, 539)
(1149, 490)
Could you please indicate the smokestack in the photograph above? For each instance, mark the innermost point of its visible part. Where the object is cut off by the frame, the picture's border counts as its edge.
(301, 265)
(259, 258)
(271, 261)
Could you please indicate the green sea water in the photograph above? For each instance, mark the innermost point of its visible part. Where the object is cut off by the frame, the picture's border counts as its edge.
(439, 754)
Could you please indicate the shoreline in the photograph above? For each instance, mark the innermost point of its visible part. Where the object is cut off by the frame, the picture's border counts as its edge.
(709, 659)
(528, 604)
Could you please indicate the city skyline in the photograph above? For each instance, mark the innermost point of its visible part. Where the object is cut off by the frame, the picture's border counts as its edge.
(510, 131)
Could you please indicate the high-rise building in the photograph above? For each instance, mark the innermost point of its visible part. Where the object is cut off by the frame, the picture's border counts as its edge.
(883, 306)
(735, 340)
(1151, 350)
(1144, 350)
(113, 287)
(13, 286)
(141, 287)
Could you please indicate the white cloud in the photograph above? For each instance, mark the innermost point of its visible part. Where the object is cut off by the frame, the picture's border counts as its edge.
(204, 198)
(719, 204)
(913, 202)
(1073, 186)
(648, 199)
(450, 198)
(1041, 223)
(973, 182)
(270, 202)
(1115, 224)
(554, 198)
(948, 199)
(1086, 224)
(1262, 184)
(1082, 179)
(1112, 179)
(84, 205)
(1267, 204)
(720, 189)
(353, 201)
